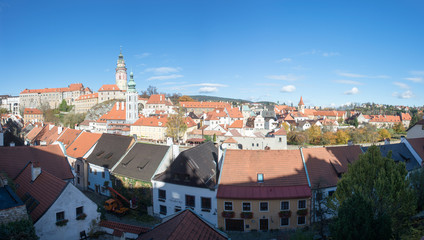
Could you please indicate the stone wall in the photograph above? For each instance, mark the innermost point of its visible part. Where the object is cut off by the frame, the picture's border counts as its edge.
(13, 214)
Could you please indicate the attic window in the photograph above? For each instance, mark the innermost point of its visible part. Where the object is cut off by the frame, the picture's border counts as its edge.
(260, 177)
(99, 153)
(109, 156)
(75, 149)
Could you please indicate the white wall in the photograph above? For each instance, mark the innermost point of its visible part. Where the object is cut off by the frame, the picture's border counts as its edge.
(68, 201)
(175, 196)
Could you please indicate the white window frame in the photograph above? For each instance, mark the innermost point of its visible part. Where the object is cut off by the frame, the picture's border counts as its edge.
(267, 206)
(288, 224)
(232, 205)
(285, 209)
(242, 206)
(305, 204)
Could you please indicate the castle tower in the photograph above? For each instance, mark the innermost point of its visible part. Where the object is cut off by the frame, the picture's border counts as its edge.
(121, 73)
(301, 106)
(132, 101)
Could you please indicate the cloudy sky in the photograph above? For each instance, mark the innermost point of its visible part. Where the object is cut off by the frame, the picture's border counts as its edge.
(329, 52)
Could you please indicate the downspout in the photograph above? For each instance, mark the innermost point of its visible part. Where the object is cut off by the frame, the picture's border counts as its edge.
(309, 183)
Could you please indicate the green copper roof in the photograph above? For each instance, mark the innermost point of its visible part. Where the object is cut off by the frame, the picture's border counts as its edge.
(131, 83)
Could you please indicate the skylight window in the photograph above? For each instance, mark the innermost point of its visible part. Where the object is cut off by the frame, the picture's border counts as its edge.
(260, 177)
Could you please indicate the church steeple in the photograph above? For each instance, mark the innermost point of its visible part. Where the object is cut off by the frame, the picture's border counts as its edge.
(301, 106)
(121, 72)
(132, 101)
(131, 84)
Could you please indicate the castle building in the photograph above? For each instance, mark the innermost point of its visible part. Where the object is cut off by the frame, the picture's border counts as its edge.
(121, 73)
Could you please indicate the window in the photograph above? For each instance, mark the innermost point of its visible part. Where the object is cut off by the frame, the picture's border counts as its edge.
(285, 206)
(79, 211)
(206, 204)
(330, 193)
(60, 216)
(260, 177)
(301, 204)
(228, 206)
(78, 168)
(177, 209)
(162, 195)
(246, 207)
(95, 172)
(78, 180)
(103, 174)
(279, 139)
(301, 220)
(284, 221)
(189, 201)
(263, 206)
(162, 210)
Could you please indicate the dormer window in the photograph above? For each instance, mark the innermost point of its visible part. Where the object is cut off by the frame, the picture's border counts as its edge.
(260, 177)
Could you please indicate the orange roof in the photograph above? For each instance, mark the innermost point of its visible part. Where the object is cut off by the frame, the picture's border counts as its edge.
(281, 132)
(205, 104)
(189, 122)
(151, 122)
(70, 88)
(237, 124)
(230, 140)
(301, 101)
(114, 113)
(82, 144)
(325, 165)
(234, 112)
(279, 168)
(308, 111)
(68, 136)
(288, 117)
(32, 111)
(109, 87)
(88, 96)
(216, 114)
(405, 117)
(158, 99)
(33, 133)
(385, 118)
(283, 108)
(326, 113)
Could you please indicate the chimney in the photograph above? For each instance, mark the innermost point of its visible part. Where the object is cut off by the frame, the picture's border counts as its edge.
(386, 141)
(117, 106)
(350, 143)
(59, 130)
(12, 144)
(122, 105)
(35, 170)
(160, 98)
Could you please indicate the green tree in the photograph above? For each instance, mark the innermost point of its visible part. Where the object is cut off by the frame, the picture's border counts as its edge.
(383, 185)
(399, 128)
(417, 183)
(4, 110)
(176, 126)
(285, 126)
(214, 137)
(63, 107)
(23, 229)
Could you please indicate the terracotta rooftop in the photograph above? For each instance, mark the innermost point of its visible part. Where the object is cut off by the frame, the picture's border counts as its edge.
(301, 101)
(418, 145)
(158, 99)
(237, 124)
(70, 88)
(385, 118)
(51, 158)
(123, 227)
(87, 96)
(230, 140)
(109, 87)
(32, 111)
(42, 192)
(326, 165)
(151, 122)
(68, 136)
(205, 104)
(184, 225)
(280, 132)
(234, 112)
(33, 133)
(118, 112)
(405, 117)
(82, 144)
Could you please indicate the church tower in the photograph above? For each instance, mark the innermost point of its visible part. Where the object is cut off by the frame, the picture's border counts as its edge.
(301, 106)
(132, 101)
(121, 73)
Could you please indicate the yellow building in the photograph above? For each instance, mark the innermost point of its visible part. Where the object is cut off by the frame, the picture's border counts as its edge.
(85, 102)
(263, 190)
(33, 114)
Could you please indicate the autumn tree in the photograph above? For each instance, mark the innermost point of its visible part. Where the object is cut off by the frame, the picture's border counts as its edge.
(314, 135)
(285, 126)
(186, 98)
(399, 128)
(382, 190)
(176, 126)
(297, 138)
(383, 134)
(342, 137)
(3, 111)
(328, 138)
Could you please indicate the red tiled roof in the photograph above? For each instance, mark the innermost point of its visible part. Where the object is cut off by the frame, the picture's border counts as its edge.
(82, 144)
(205, 104)
(87, 96)
(280, 132)
(157, 99)
(327, 113)
(263, 192)
(51, 136)
(418, 145)
(109, 87)
(123, 227)
(385, 118)
(309, 112)
(32, 111)
(405, 117)
(184, 225)
(237, 124)
(301, 101)
(68, 136)
(33, 133)
(281, 169)
(115, 114)
(288, 118)
(51, 158)
(151, 121)
(325, 165)
(230, 140)
(70, 88)
(190, 122)
(283, 108)
(46, 188)
(206, 132)
(234, 112)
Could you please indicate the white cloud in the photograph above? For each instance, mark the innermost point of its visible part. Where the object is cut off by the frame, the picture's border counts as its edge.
(414, 79)
(352, 91)
(330, 54)
(405, 95)
(355, 75)
(285, 60)
(420, 73)
(163, 70)
(208, 89)
(288, 77)
(288, 88)
(142, 55)
(350, 82)
(167, 77)
(401, 85)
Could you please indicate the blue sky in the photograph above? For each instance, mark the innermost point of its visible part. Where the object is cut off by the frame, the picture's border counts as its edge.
(329, 52)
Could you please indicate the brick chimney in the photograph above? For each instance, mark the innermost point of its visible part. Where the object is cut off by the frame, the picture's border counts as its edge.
(35, 170)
